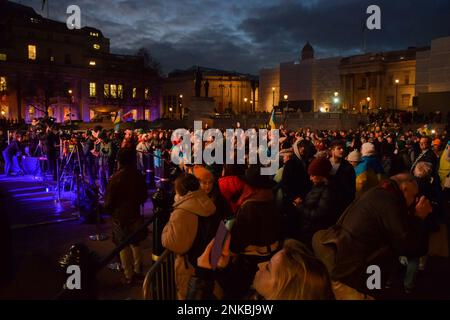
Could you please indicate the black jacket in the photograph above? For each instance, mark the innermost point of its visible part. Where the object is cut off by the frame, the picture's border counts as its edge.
(318, 211)
(295, 180)
(345, 184)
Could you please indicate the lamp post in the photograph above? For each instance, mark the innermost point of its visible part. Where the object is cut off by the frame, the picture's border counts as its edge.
(70, 107)
(286, 97)
(396, 92)
(181, 106)
(368, 103)
(273, 97)
(245, 104)
(170, 110)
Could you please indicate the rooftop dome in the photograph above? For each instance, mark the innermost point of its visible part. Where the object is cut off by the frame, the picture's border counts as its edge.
(307, 52)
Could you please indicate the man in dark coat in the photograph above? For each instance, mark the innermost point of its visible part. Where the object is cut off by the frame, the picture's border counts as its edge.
(426, 155)
(125, 193)
(343, 176)
(377, 228)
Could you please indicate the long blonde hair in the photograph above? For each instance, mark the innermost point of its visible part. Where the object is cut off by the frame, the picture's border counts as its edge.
(301, 276)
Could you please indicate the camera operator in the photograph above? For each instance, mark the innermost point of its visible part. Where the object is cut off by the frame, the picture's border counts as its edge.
(50, 150)
(89, 158)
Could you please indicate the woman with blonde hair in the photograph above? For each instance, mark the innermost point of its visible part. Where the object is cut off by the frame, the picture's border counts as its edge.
(293, 274)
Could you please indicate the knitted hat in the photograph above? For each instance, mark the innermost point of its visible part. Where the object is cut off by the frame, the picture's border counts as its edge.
(201, 173)
(368, 149)
(354, 156)
(320, 167)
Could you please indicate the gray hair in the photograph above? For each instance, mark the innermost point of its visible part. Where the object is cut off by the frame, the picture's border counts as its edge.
(423, 169)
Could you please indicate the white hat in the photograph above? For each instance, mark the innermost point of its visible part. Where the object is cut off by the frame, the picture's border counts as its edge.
(354, 156)
(368, 149)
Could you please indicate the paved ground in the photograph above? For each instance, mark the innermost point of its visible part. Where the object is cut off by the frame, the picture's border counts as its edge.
(43, 230)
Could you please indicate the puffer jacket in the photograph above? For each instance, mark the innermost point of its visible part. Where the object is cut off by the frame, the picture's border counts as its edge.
(180, 232)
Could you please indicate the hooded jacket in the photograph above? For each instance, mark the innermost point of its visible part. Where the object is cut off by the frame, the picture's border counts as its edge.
(180, 232)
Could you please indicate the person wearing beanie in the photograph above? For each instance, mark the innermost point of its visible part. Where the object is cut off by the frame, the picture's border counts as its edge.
(354, 158)
(369, 172)
(318, 210)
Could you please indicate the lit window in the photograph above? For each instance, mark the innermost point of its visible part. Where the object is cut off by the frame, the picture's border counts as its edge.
(2, 56)
(3, 86)
(92, 90)
(96, 46)
(52, 59)
(113, 91)
(134, 93)
(92, 63)
(120, 91)
(147, 94)
(106, 91)
(31, 52)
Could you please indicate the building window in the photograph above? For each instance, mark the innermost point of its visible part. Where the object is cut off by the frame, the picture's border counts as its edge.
(363, 83)
(92, 89)
(106, 91)
(147, 94)
(3, 86)
(407, 79)
(31, 52)
(68, 59)
(92, 63)
(120, 91)
(3, 56)
(134, 94)
(406, 98)
(113, 91)
(96, 46)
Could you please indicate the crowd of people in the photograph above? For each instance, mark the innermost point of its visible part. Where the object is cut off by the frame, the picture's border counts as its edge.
(340, 201)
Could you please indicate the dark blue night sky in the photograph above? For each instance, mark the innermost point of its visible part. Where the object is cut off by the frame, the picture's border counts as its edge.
(249, 35)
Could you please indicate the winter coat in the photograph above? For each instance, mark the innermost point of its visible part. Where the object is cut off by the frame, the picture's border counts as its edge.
(125, 193)
(257, 225)
(444, 166)
(369, 173)
(295, 181)
(379, 220)
(318, 211)
(180, 232)
(427, 156)
(345, 182)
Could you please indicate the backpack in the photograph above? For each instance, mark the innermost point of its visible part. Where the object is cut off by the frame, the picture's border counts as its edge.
(206, 231)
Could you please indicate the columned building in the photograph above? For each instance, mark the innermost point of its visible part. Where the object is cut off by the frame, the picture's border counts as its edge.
(45, 68)
(231, 91)
(379, 80)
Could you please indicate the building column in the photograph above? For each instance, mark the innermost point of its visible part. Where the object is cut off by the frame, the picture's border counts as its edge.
(344, 90)
(352, 91)
(378, 104)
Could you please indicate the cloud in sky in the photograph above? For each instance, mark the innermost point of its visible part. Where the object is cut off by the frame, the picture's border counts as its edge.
(248, 35)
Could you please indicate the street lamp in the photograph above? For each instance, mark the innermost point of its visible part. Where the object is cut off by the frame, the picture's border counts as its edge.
(273, 97)
(286, 97)
(368, 102)
(245, 104)
(181, 106)
(336, 94)
(396, 92)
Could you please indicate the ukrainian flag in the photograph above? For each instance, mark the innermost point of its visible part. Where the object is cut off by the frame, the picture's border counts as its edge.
(118, 118)
(272, 120)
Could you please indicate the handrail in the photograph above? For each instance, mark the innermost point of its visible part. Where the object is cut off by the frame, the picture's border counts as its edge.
(150, 277)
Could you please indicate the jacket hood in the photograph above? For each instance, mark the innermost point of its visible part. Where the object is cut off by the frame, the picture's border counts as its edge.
(196, 202)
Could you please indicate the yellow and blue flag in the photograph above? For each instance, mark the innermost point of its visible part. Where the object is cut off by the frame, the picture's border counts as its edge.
(272, 120)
